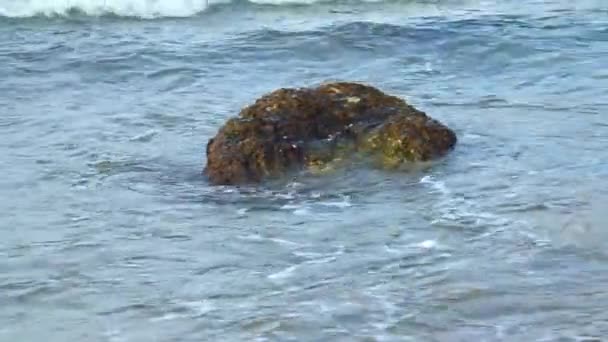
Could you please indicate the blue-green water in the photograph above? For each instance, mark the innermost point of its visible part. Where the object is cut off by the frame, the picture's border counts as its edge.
(110, 233)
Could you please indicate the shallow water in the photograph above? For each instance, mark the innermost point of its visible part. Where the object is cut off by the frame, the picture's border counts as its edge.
(111, 233)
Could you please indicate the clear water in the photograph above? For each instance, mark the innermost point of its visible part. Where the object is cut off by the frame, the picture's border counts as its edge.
(110, 233)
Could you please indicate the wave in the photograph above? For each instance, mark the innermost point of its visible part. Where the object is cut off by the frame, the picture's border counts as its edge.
(127, 8)
(145, 9)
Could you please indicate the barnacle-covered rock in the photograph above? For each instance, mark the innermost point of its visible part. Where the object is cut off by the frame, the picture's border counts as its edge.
(292, 129)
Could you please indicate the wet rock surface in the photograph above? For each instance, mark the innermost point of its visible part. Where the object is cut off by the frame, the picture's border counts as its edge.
(293, 129)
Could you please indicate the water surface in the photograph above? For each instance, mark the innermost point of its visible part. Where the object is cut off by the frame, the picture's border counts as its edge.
(110, 233)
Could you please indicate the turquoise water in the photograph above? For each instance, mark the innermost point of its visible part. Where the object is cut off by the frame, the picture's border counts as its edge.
(110, 233)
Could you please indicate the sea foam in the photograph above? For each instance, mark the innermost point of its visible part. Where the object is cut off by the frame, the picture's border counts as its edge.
(131, 8)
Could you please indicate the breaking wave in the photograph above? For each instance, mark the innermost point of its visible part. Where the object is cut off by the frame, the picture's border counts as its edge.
(130, 8)
(146, 9)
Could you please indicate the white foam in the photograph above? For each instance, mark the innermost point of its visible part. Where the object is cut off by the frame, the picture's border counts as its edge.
(338, 204)
(291, 206)
(297, 209)
(284, 273)
(435, 184)
(194, 309)
(135, 8)
(391, 250)
(457, 209)
(284, 242)
(167, 317)
(289, 195)
(145, 137)
(426, 179)
(427, 244)
(301, 211)
(199, 308)
(146, 9)
(259, 238)
(315, 194)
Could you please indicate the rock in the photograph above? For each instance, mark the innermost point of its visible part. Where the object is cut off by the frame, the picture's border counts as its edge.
(292, 129)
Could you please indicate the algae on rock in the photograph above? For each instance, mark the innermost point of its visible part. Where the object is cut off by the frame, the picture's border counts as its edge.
(311, 128)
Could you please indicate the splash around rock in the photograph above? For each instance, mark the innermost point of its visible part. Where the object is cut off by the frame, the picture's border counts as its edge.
(294, 129)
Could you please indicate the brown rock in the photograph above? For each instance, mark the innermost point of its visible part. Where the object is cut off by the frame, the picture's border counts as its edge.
(290, 129)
